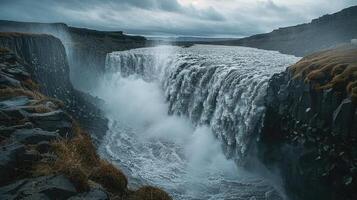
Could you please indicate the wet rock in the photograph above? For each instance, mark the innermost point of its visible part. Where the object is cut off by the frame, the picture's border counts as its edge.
(273, 195)
(43, 147)
(46, 187)
(10, 157)
(305, 130)
(5, 132)
(14, 102)
(34, 136)
(8, 81)
(93, 194)
(4, 117)
(343, 117)
(15, 114)
(31, 156)
(53, 121)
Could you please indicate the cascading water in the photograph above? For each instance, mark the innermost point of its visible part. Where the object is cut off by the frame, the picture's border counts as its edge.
(172, 110)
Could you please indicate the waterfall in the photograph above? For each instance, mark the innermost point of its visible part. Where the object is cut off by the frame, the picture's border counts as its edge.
(176, 115)
(220, 87)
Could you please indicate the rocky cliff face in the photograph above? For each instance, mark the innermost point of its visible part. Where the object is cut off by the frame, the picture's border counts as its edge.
(310, 127)
(324, 32)
(44, 154)
(47, 62)
(86, 49)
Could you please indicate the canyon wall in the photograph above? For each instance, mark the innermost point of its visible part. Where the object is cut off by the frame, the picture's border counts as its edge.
(310, 127)
(44, 153)
(86, 49)
(322, 33)
(47, 62)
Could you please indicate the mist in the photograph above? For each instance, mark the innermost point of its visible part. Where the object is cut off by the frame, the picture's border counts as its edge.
(167, 150)
(140, 104)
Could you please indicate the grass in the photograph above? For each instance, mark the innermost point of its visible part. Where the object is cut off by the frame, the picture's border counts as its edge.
(77, 159)
(150, 193)
(335, 69)
(10, 92)
(110, 177)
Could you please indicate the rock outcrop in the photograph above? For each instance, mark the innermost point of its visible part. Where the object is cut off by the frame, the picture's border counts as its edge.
(310, 127)
(86, 49)
(44, 154)
(47, 62)
(322, 33)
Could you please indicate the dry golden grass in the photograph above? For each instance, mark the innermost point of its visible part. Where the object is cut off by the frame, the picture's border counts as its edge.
(29, 83)
(335, 68)
(150, 193)
(41, 109)
(9, 92)
(4, 50)
(78, 160)
(110, 177)
(75, 159)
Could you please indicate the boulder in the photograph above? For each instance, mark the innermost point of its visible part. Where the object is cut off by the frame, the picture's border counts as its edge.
(14, 102)
(10, 157)
(343, 117)
(53, 121)
(34, 136)
(93, 194)
(45, 187)
(43, 147)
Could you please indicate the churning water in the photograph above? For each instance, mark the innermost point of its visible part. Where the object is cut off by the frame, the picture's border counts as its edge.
(176, 115)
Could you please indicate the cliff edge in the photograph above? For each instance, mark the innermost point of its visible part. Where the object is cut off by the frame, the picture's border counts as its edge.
(47, 62)
(310, 127)
(44, 154)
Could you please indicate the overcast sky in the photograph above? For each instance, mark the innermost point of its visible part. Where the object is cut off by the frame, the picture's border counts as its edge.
(213, 18)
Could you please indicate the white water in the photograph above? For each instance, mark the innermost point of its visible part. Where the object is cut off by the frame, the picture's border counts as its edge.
(214, 97)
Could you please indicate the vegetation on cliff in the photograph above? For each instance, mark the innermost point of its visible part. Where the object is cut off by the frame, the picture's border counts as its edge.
(42, 145)
(310, 127)
(336, 68)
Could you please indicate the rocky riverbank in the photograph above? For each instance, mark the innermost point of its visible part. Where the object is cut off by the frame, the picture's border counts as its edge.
(310, 127)
(44, 154)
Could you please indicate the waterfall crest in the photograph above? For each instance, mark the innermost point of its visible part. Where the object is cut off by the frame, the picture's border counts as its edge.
(216, 86)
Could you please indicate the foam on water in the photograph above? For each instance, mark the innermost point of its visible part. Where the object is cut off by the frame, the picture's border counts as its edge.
(176, 114)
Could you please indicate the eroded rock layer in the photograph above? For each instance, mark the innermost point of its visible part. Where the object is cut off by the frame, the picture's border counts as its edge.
(310, 128)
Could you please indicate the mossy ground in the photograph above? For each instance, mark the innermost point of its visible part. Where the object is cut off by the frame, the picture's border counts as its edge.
(335, 68)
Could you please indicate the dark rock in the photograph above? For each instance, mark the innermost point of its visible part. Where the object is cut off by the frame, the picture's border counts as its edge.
(305, 132)
(31, 156)
(53, 121)
(43, 147)
(8, 81)
(6, 131)
(46, 187)
(93, 194)
(14, 102)
(15, 114)
(10, 159)
(34, 136)
(343, 117)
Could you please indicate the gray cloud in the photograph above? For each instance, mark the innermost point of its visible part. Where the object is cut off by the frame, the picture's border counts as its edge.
(173, 17)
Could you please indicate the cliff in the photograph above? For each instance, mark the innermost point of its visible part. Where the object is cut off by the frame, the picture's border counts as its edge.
(310, 127)
(44, 154)
(322, 33)
(86, 49)
(47, 61)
